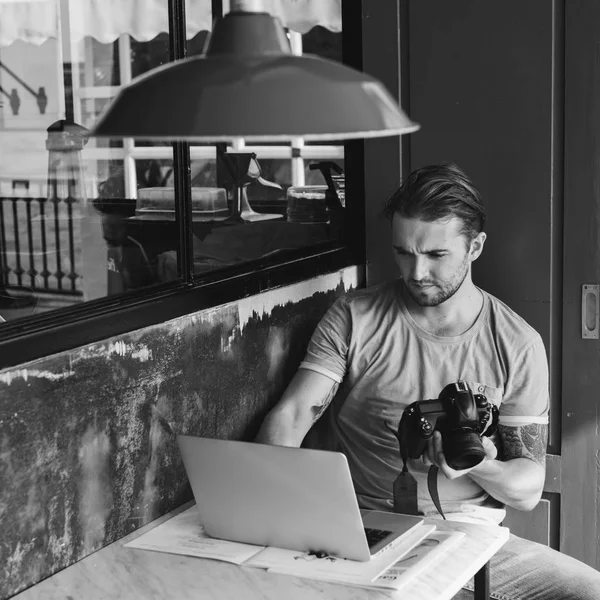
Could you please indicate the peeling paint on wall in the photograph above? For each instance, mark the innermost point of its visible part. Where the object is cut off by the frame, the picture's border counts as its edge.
(8, 376)
(89, 436)
(135, 351)
(258, 306)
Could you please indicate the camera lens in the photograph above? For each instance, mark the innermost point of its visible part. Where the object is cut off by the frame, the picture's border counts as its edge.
(462, 449)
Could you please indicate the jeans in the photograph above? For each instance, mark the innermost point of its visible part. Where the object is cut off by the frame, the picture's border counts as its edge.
(524, 570)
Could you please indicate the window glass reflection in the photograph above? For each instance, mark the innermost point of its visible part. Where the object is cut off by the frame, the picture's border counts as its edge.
(84, 218)
(277, 197)
(68, 202)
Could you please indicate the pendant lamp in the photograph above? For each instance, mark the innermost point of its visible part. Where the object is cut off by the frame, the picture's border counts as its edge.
(247, 85)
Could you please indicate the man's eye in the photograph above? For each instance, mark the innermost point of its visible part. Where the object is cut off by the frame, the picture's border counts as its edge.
(435, 255)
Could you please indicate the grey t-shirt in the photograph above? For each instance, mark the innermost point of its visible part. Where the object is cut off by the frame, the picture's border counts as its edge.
(369, 343)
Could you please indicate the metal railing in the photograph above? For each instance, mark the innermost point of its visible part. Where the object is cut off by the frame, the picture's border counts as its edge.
(38, 246)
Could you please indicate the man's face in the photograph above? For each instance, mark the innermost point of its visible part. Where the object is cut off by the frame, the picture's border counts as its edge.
(433, 258)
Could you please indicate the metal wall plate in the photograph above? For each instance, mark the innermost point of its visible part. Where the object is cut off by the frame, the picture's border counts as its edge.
(590, 328)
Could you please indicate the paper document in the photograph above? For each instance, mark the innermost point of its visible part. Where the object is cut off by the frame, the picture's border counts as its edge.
(330, 568)
(403, 570)
(392, 568)
(183, 534)
(419, 558)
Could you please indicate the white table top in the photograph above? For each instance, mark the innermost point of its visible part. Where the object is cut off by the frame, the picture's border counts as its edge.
(118, 572)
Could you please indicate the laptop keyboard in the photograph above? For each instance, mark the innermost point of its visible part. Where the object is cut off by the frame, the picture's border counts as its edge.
(375, 535)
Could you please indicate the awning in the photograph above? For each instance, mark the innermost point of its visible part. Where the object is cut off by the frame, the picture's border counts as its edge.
(35, 21)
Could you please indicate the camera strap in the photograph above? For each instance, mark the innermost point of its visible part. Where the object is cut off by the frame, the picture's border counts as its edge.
(405, 485)
(432, 479)
(405, 493)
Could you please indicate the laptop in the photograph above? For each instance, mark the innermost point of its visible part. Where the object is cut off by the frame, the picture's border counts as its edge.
(292, 498)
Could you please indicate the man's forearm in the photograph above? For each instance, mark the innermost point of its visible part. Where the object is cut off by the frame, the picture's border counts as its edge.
(517, 482)
(304, 401)
(279, 429)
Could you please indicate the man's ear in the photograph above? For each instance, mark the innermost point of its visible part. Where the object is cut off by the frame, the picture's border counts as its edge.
(477, 245)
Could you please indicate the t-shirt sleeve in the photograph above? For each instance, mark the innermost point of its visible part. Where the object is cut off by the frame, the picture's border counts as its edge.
(327, 351)
(526, 395)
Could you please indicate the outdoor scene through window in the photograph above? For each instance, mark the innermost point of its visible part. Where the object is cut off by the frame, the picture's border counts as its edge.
(83, 218)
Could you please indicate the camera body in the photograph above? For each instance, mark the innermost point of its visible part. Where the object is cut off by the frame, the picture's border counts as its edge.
(459, 415)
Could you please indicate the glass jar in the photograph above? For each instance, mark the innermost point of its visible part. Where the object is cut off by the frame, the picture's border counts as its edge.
(307, 204)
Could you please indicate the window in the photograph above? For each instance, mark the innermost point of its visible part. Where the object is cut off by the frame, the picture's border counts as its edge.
(90, 229)
(65, 196)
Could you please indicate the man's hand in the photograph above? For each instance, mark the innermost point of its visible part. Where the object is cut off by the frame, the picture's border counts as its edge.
(518, 479)
(434, 455)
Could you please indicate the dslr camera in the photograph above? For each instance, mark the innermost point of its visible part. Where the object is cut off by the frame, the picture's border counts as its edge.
(459, 415)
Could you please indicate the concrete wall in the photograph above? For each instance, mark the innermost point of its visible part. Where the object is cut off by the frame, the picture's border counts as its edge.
(87, 446)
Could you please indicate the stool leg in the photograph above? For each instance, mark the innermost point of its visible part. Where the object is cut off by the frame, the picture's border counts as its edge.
(482, 583)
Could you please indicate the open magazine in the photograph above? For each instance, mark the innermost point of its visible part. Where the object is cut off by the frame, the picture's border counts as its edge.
(183, 534)
(422, 556)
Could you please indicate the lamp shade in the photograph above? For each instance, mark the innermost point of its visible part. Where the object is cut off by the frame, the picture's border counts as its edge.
(249, 85)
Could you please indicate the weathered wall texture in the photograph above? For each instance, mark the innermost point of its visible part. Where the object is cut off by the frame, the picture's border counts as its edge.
(87, 446)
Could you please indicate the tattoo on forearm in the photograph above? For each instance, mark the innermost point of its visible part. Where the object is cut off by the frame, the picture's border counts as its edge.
(319, 409)
(526, 441)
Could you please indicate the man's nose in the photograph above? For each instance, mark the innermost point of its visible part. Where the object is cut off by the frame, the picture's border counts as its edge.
(419, 268)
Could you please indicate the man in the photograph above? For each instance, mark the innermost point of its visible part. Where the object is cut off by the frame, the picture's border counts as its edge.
(379, 349)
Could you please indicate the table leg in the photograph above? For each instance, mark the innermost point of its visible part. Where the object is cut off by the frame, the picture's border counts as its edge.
(482, 583)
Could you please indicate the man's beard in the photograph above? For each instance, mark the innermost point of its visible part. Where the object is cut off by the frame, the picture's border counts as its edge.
(447, 289)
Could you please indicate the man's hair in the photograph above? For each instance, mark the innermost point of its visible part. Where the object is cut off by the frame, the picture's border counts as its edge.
(439, 192)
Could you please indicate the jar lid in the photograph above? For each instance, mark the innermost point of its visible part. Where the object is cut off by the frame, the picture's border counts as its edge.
(307, 191)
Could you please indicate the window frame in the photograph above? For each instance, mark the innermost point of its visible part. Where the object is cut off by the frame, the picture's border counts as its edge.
(30, 338)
